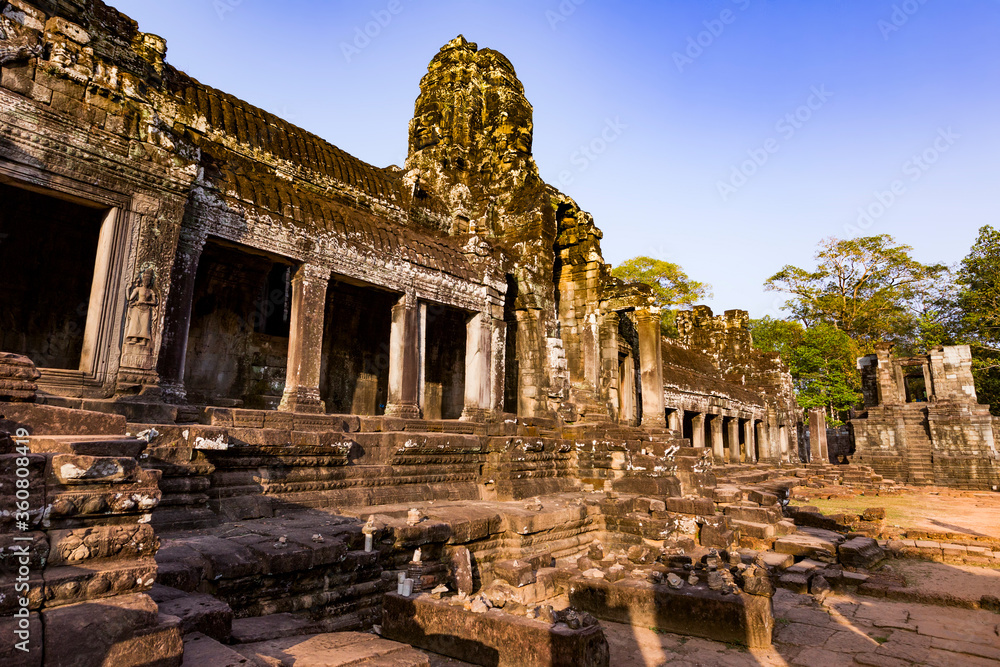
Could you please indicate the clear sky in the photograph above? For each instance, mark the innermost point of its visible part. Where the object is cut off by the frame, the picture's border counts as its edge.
(742, 131)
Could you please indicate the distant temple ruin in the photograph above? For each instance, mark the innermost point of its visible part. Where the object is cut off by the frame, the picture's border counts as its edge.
(922, 423)
(282, 383)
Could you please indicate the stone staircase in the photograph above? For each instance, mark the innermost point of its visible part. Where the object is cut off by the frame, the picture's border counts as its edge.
(919, 457)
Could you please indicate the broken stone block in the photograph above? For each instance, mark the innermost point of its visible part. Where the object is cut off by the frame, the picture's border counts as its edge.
(127, 627)
(873, 514)
(717, 534)
(819, 586)
(517, 573)
(692, 610)
(17, 378)
(461, 570)
(493, 638)
(76, 469)
(863, 552)
(201, 613)
(796, 582)
(818, 547)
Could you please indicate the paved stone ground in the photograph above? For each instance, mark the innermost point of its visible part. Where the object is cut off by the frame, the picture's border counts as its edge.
(842, 630)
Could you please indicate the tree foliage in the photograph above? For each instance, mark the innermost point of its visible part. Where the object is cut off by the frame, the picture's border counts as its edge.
(978, 313)
(821, 360)
(870, 288)
(672, 288)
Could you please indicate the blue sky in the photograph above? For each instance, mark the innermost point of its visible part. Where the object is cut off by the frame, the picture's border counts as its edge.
(745, 131)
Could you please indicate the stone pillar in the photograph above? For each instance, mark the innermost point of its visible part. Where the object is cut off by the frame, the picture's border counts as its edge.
(783, 443)
(765, 441)
(590, 344)
(177, 322)
(626, 391)
(610, 382)
(718, 444)
(404, 359)
(498, 350)
(698, 430)
(478, 338)
(305, 340)
(651, 366)
(675, 420)
(734, 440)
(818, 452)
(750, 440)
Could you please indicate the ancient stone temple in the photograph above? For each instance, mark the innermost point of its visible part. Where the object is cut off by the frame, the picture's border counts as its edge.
(922, 422)
(256, 385)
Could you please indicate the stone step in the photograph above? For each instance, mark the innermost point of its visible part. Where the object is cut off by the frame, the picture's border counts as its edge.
(87, 445)
(203, 651)
(760, 531)
(198, 612)
(334, 649)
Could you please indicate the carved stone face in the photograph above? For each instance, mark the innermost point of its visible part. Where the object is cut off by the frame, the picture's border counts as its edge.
(426, 126)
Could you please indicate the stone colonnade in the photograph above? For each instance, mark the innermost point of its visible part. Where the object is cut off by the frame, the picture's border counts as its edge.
(733, 435)
(484, 341)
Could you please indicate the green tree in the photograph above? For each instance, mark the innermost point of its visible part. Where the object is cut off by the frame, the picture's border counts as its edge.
(821, 360)
(978, 308)
(824, 369)
(773, 335)
(870, 288)
(672, 288)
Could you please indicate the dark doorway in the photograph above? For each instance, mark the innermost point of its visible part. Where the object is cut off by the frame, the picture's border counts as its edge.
(238, 340)
(916, 388)
(688, 421)
(355, 373)
(510, 365)
(48, 249)
(444, 362)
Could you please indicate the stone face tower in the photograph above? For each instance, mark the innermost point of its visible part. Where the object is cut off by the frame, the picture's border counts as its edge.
(470, 162)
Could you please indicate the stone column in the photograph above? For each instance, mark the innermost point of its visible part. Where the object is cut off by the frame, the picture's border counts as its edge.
(818, 452)
(675, 421)
(718, 444)
(404, 359)
(734, 440)
(478, 338)
(651, 366)
(765, 441)
(498, 352)
(177, 322)
(783, 443)
(750, 440)
(590, 344)
(305, 340)
(698, 430)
